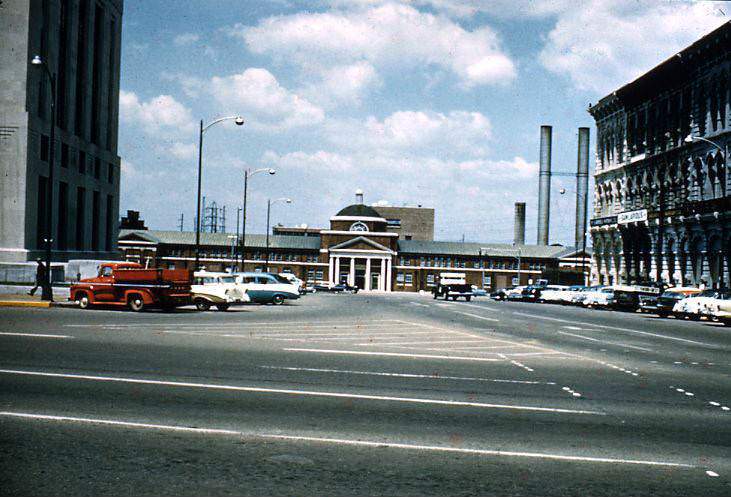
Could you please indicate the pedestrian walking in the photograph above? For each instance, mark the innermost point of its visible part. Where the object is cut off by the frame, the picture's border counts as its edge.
(40, 276)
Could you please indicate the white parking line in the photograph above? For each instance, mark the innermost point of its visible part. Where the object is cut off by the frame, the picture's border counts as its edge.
(307, 393)
(35, 335)
(360, 334)
(410, 375)
(396, 354)
(618, 344)
(614, 328)
(483, 307)
(422, 342)
(477, 316)
(341, 441)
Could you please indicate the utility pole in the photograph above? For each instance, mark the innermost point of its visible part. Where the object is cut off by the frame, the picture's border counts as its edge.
(180, 224)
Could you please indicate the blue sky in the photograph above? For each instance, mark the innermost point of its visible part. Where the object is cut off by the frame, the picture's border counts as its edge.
(432, 102)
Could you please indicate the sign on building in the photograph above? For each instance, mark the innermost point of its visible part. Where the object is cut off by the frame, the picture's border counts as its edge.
(632, 216)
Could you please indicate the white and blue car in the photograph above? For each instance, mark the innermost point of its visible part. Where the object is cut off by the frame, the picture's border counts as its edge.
(266, 288)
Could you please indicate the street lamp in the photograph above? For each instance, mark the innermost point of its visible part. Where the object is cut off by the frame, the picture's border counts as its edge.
(247, 174)
(270, 202)
(691, 139)
(233, 244)
(239, 122)
(47, 290)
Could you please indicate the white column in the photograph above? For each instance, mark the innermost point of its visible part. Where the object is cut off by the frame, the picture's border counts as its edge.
(351, 275)
(388, 274)
(382, 280)
(336, 278)
(331, 276)
(368, 275)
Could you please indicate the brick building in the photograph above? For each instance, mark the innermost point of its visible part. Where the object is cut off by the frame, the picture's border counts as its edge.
(358, 248)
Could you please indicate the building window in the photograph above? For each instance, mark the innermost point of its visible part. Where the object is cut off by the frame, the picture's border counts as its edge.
(320, 275)
(516, 281)
(429, 279)
(64, 155)
(400, 278)
(63, 216)
(409, 278)
(109, 231)
(487, 281)
(95, 221)
(258, 269)
(110, 173)
(80, 217)
(82, 162)
(393, 223)
(97, 167)
(44, 148)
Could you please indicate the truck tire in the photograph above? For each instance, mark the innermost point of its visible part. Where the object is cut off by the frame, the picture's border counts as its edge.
(202, 304)
(278, 300)
(222, 307)
(83, 299)
(135, 302)
(468, 298)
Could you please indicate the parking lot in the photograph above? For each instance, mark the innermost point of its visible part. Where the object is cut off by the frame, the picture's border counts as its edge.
(366, 393)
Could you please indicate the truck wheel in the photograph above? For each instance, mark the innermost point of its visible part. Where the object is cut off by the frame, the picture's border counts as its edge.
(202, 304)
(222, 307)
(278, 300)
(468, 298)
(136, 303)
(83, 300)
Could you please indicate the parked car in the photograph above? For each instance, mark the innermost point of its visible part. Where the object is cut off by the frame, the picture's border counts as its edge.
(217, 289)
(670, 297)
(500, 294)
(335, 288)
(265, 288)
(648, 303)
(627, 297)
(129, 284)
(707, 307)
(515, 293)
(721, 311)
(295, 281)
(452, 286)
(602, 297)
(691, 307)
(553, 294)
(478, 292)
(578, 297)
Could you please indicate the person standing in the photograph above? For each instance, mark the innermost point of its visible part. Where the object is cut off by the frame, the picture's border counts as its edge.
(40, 276)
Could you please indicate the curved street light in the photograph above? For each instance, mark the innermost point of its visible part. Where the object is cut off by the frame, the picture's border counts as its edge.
(247, 174)
(271, 202)
(47, 289)
(691, 139)
(239, 122)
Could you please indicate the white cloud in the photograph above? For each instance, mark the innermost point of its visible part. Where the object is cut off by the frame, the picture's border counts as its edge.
(257, 94)
(468, 8)
(343, 84)
(183, 150)
(186, 39)
(603, 44)
(457, 133)
(390, 35)
(320, 160)
(159, 114)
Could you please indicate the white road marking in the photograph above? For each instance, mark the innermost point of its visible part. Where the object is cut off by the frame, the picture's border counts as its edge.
(712, 474)
(35, 335)
(427, 343)
(618, 344)
(362, 443)
(483, 307)
(278, 324)
(419, 304)
(613, 328)
(307, 393)
(516, 363)
(714, 404)
(411, 375)
(477, 316)
(396, 354)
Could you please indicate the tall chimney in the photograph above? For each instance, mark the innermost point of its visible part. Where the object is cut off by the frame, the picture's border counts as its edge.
(582, 187)
(519, 229)
(544, 185)
(359, 196)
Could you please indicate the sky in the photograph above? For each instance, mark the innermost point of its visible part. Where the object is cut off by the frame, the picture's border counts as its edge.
(436, 103)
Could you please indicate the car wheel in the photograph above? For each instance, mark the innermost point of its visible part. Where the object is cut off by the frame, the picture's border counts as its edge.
(468, 299)
(222, 307)
(695, 317)
(83, 300)
(136, 303)
(202, 304)
(278, 300)
(662, 314)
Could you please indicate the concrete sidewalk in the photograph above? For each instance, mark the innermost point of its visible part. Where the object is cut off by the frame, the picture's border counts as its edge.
(17, 296)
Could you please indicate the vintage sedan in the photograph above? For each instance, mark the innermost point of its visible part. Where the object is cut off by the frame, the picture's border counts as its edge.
(216, 289)
(266, 288)
(670, 297)
(693, 307)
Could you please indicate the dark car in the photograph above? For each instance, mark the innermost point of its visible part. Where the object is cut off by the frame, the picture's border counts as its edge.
(500, 294)
(648, 303)
(532, 293)
(339, 288)
(669, 298)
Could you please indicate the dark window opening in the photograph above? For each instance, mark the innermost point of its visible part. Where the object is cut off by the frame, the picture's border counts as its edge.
(82, 162)
(97, 167)
(110, 173)
(80, 217)
(110, 224)
(63, 37)
(64, 155)
(111, 79)
(41, 211)
(95, 222)
(81, 70)
(63, 215)
(44, 148)
(97, 74)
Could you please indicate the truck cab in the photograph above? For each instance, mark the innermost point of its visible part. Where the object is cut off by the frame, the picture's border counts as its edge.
(454, 286)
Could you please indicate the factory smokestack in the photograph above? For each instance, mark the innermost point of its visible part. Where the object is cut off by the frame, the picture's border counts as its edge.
(544, 185)
(519, 230)
(582, 187)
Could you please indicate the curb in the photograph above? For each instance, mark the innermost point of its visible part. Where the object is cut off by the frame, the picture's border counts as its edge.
(44, 304)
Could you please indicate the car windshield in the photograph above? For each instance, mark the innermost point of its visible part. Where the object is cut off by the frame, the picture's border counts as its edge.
(282, 279)
(708, 293)
(228, 279)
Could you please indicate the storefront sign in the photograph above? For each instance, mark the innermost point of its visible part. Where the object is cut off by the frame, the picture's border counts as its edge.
(632, 216)
(603, 221)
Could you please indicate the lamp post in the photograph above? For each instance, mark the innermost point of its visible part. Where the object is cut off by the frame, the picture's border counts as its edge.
(247, 174)
(47, 289)
(233, 244)
(239, 122)
(270, 202)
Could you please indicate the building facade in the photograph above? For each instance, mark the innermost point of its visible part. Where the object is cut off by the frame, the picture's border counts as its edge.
(359, 249)
(410, 223)
(79, 41)
(662, 205)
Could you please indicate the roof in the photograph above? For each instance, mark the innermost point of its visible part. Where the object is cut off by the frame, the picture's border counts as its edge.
(358, 210)
(222, 239)
(488, 249)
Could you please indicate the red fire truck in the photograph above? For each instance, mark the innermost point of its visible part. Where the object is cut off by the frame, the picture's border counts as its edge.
(129, 284)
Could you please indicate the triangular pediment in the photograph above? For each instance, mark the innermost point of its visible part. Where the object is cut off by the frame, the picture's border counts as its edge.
(137, 236)
(361, 243)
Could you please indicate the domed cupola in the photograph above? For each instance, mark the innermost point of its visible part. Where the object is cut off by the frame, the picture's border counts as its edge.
(358, 217)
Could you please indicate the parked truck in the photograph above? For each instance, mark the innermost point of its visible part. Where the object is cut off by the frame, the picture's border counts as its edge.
(129, 284)
(452, 286)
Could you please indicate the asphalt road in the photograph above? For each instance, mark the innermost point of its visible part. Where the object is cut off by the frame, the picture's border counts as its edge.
(363, 395)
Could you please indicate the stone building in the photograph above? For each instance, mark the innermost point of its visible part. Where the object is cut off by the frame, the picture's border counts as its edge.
(662, 206)
(79, 40)
(411, 223)
(357, 248)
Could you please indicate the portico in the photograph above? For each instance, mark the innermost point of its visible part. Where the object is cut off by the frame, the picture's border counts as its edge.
(370, 269)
